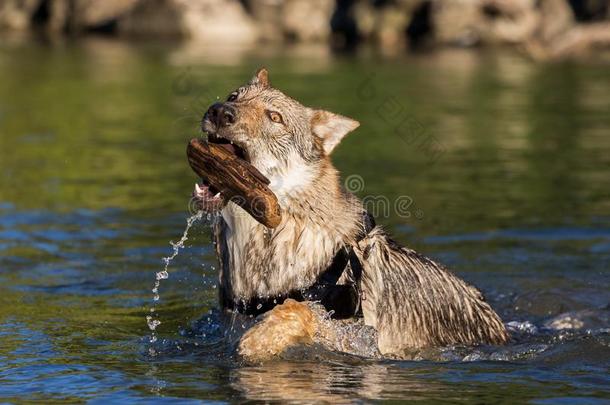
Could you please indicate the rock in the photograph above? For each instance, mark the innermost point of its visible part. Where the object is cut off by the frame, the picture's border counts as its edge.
(268, 17)
(157, 18)
(95, 13)
(556, 18)
(218, 20)
(469, 22)
(17, 14)
(385, 22)
(457, 22)
(298, 20)
(59, 15)
(307, 20)
(222, 21)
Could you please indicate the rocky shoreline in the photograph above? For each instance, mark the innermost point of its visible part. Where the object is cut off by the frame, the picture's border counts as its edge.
(544, 29)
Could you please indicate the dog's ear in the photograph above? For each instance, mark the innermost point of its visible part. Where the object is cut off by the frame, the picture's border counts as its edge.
(261, 78)
(331, 128)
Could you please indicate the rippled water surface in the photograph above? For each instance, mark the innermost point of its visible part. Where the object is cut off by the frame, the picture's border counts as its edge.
(492, 164)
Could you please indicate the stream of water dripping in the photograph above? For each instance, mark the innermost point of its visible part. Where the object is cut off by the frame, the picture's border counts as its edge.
(152, 319)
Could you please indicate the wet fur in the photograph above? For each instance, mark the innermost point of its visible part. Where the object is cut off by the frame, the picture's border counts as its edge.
(413, 302)
(410, 300)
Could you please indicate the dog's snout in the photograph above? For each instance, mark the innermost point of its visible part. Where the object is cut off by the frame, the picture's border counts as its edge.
(228, 115)
(221, 114)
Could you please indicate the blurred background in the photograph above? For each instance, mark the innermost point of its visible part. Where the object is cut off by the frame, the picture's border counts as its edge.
(485, 132)
(544, 29)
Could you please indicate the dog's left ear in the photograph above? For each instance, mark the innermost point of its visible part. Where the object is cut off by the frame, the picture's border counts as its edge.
(261, 78)
(331, 128)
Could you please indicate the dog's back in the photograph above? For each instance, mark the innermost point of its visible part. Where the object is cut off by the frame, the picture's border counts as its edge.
(414, 302)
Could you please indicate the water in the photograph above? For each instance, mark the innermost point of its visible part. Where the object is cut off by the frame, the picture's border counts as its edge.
(151, 321)
(492, 164)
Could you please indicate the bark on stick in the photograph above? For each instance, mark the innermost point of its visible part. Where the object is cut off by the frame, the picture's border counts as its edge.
(236, 179)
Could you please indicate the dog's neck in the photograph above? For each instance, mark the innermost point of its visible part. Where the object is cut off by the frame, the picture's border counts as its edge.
(318, 217)
(312, 192)
(292, 179)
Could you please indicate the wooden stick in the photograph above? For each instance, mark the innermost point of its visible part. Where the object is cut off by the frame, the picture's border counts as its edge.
(236, 179)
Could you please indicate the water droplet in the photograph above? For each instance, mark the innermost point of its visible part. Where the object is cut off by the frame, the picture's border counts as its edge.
(164, 274)
(152, 323)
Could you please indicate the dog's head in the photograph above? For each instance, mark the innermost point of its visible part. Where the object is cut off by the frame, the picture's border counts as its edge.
(273, 131)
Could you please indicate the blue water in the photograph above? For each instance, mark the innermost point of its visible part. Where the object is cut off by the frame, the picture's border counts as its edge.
(94, 186)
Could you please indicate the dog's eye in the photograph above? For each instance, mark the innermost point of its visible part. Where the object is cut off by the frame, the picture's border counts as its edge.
(232, 97)
(275, 117)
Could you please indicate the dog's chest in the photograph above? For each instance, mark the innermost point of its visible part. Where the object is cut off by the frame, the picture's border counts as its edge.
(259, 262)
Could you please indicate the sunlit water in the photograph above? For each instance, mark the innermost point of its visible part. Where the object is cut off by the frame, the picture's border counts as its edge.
(513, 195)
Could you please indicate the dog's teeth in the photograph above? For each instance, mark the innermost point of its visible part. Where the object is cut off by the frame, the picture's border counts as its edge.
(217, 195)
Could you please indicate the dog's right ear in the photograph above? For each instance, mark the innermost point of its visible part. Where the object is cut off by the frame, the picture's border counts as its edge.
(331, 128)
(261, 78)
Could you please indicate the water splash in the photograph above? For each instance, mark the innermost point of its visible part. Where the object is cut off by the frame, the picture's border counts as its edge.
(152, 320)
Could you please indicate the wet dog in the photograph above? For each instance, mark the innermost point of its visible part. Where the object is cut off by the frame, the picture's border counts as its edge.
(327, 249)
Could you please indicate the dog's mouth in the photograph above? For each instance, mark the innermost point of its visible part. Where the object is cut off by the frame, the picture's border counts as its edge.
(208, 196)
(228, 145)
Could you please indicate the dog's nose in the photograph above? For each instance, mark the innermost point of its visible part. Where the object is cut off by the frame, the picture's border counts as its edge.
(221, 114)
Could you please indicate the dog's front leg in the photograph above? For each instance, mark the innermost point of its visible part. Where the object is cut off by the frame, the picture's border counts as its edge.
(286, 325)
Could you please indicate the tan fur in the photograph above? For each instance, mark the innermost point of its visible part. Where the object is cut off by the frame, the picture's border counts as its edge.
(411, 301)
(286, 325)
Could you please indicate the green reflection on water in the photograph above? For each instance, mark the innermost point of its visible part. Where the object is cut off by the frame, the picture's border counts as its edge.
(100, 124)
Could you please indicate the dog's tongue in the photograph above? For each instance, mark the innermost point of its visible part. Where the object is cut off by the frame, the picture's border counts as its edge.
(229, 147)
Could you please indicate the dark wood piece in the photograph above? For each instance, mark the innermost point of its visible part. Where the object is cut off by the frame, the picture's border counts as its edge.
(236, 179)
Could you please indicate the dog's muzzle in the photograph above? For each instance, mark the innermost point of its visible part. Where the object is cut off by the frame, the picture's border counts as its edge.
(220, 115)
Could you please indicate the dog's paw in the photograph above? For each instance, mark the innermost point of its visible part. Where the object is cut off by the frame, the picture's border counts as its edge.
(286, 325)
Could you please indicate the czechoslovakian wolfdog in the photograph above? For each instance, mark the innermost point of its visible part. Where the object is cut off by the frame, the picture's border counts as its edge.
(327, 250)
